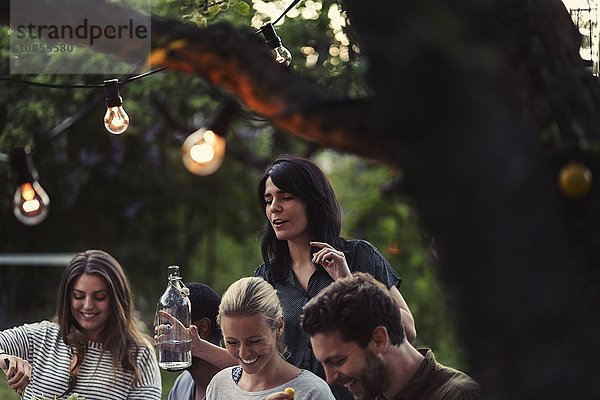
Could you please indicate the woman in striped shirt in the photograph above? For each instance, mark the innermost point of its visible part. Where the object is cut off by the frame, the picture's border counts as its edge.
(92, 347)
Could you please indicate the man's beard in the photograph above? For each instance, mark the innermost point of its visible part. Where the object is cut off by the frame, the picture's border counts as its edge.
(373, 377)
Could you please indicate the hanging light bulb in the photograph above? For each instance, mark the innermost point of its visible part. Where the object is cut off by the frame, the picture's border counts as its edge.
(281, 54)
(116, 119)
(30, 202)
(204, 150)
(575, 179)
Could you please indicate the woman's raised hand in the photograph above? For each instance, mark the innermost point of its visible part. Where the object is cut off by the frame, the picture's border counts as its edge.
(18, 372)
(334, 261)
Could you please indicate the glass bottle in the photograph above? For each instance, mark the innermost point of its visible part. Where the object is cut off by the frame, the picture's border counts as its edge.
(173, 314)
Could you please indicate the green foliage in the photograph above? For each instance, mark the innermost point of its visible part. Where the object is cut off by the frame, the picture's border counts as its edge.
(167, 380)
(202, 12)
(242, 8)
(6, 393)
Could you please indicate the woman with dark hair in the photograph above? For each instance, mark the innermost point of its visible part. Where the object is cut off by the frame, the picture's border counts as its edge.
(93, 347)
(303, 251)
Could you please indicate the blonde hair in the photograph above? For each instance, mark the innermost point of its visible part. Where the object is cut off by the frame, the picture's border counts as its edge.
(253, 296)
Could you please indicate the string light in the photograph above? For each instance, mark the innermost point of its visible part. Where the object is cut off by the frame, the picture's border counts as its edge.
(281, 54)
(575, 179)
(116, 119)
(30, 202)
(203, 151)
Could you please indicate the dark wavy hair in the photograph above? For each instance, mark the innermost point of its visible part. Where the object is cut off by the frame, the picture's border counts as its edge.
(205, 304)
(354, 307)
(121, 334)
(305, 180)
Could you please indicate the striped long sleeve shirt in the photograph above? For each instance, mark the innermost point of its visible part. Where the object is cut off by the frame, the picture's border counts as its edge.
(42, 346)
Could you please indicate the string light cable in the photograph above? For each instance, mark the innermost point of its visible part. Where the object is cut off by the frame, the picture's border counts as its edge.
(292, 5)
(78, 86)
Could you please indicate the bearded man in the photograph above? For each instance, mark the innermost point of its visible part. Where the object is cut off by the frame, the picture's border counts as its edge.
(356, 333)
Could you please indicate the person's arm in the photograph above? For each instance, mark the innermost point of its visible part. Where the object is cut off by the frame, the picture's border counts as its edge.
(216, 355)
(408, 322)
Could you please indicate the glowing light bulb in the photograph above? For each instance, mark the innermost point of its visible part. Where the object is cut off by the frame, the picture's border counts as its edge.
(575, 179)
(116, 119)
(203, 152)
(30, 202)
(280, 53)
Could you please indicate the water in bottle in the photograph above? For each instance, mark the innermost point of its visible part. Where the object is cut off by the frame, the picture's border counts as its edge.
(173, 321)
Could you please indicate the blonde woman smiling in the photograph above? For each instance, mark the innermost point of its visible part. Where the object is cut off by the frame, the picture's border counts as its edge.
(251, 321)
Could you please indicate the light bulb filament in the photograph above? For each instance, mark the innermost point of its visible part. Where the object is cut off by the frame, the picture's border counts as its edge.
(31, 206)
(116, 120)
(282, 55)
(30, 203)
(202, 152)
(27, 192)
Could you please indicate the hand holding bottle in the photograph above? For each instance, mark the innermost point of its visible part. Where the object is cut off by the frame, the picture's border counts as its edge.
(169, 328)
(17, 370)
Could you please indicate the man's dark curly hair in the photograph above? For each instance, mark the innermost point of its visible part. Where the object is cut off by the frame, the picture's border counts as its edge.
(354, 306)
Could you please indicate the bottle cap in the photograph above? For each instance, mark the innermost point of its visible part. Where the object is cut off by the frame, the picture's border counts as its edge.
(173, 270)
